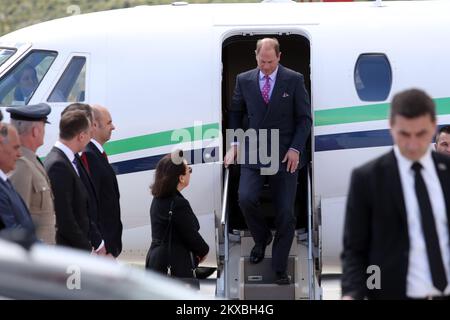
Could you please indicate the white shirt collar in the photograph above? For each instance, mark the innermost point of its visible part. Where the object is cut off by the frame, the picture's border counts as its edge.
(3, 176)
(272, 76)
(404, 163)
(67, 151)
(98, 145)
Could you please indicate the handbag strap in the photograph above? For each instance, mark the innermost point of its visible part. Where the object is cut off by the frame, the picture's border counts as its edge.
(169, 229)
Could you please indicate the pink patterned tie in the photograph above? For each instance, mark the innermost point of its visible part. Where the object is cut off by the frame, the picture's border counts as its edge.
(266, 89)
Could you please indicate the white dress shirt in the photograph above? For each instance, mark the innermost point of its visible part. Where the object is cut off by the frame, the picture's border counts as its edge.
(69, 154)
(3, 176)
(98, 145)
(272, 79)
(418, 282)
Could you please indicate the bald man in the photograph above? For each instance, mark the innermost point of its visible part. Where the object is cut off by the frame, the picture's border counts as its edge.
(14, 213)
(104, 179)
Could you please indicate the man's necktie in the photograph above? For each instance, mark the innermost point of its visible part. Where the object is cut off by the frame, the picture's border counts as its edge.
(85, 161)
(39, 160)
(105, 156)
(266, 90)
(429, 231)
(75, 163)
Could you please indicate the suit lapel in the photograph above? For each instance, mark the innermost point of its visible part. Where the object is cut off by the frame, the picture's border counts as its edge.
(63, 156)
(444, 178)
(256, 90)
(396, 189)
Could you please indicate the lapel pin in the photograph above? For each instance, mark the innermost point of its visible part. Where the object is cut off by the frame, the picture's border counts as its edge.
(442, 166)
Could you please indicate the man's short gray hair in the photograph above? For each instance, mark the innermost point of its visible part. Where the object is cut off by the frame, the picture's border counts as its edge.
(23, 127)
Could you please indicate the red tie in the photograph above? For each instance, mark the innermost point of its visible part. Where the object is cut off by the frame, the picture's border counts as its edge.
(85, 162)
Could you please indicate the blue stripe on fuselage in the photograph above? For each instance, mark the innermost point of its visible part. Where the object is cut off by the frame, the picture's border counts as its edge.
(149, 163)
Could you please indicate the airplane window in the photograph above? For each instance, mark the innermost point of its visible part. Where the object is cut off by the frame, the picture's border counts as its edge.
(373, 77)
(19, 84)
(5, 54)
(72, 84)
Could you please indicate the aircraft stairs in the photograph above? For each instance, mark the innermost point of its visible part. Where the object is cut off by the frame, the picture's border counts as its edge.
(239, 279)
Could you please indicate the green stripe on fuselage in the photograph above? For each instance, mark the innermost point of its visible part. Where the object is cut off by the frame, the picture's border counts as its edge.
(365, 113)
(158, 139)
(334, 116)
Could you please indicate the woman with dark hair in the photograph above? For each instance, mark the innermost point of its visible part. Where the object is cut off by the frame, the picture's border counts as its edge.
(177, 246)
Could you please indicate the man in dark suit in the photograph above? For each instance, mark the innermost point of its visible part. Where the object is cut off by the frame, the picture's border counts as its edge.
(71, 197)
(105, 181)
(396, 236)
(273, 98)
(95, 233)
(13, 211)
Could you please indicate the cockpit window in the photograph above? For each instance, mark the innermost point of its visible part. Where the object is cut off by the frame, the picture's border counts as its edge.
(5, 54)
(72, 84)
(19, 84)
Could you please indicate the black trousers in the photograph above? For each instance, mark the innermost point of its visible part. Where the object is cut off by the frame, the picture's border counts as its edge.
(283, 186)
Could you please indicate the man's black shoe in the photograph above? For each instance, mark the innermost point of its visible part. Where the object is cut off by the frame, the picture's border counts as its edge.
(258, 251)
(282, 278)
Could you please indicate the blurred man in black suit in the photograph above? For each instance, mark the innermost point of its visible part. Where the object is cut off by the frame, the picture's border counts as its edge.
(397, 219)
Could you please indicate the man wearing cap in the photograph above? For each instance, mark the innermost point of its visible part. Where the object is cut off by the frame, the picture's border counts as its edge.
(30, 178)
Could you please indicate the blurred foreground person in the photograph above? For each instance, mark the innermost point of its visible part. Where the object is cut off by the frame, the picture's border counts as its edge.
(396, 239)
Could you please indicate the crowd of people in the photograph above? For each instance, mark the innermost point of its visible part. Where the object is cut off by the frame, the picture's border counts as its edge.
(72, 197)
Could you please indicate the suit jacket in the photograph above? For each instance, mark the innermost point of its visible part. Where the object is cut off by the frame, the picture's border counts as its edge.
(13, 211)
(185, 237)
(95, 235)
(376, 228)
(288, 110)
(31, 181)
(105, 183)
(71, 201)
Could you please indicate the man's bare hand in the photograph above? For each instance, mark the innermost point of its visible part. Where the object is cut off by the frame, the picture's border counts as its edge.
(292, 157)
(230, 156)
(101, 252)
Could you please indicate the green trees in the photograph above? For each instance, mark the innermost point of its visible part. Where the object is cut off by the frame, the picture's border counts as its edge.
(16, 14)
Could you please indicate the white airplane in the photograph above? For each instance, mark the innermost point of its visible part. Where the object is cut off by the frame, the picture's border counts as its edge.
(167, 74)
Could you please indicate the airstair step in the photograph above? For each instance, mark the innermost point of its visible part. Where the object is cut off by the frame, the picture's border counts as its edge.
(269, 292)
